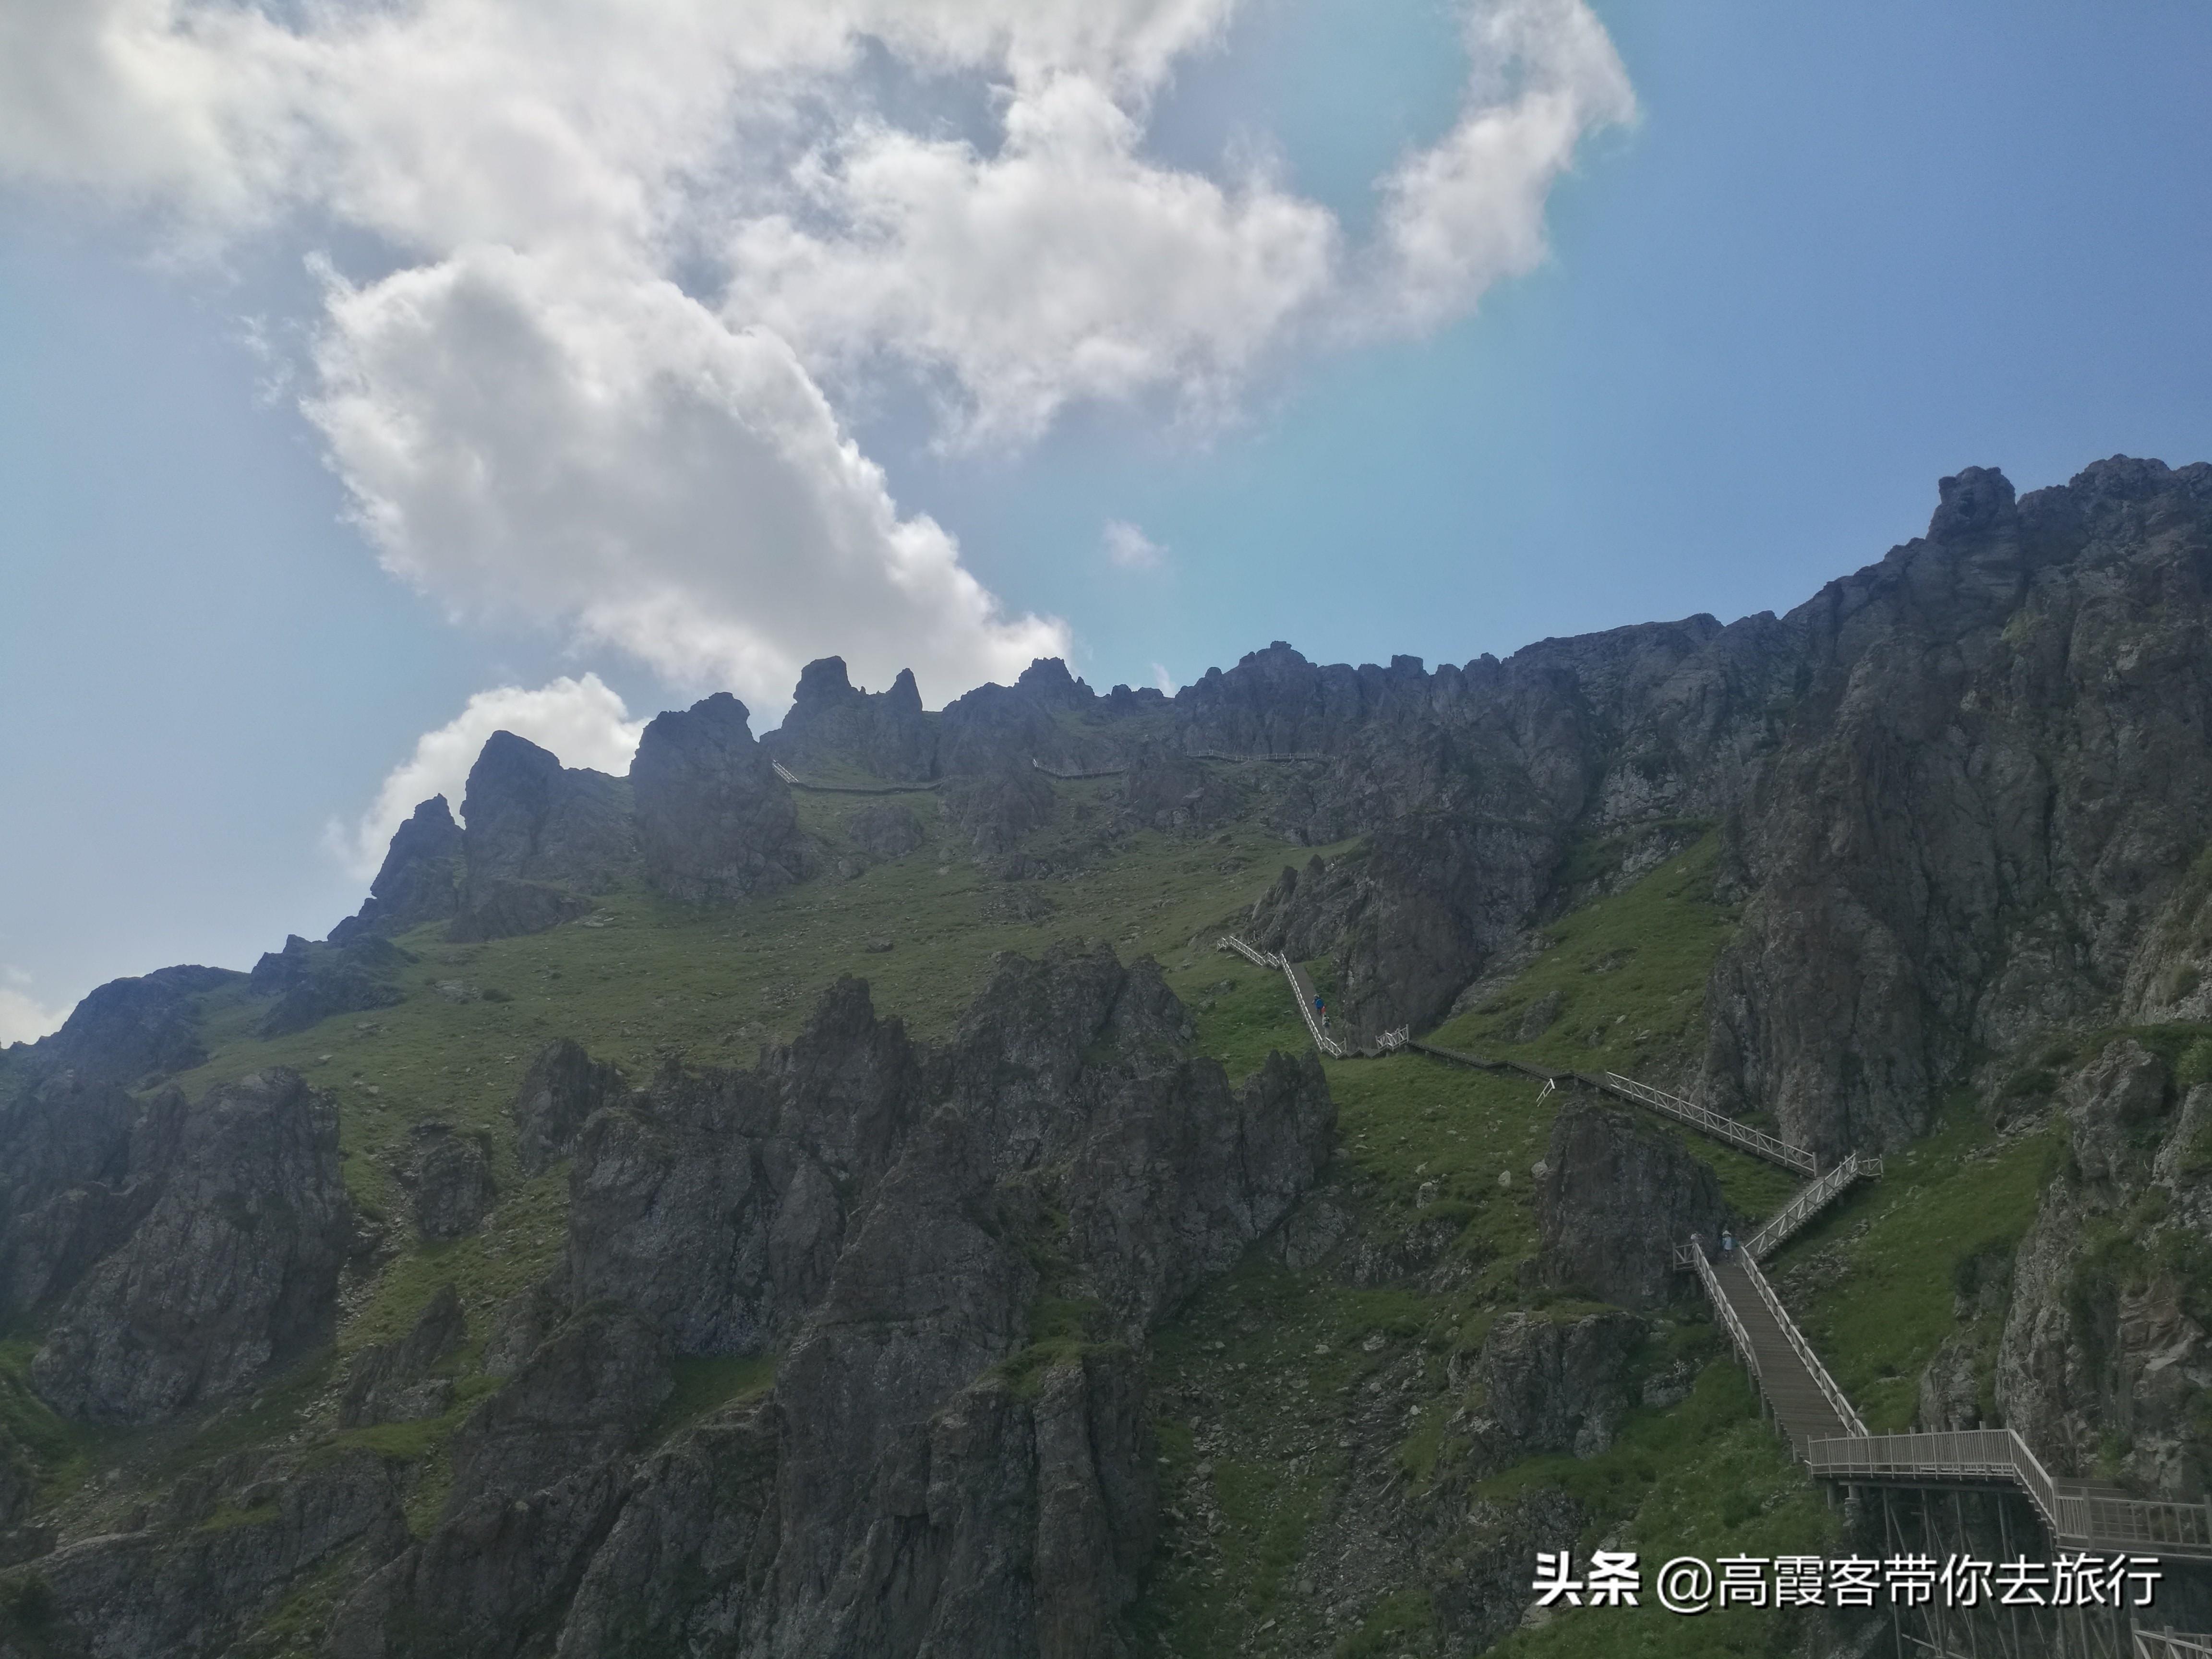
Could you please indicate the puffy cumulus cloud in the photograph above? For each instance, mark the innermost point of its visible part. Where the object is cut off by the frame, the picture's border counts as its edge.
(1063, 267)
(23, 1018)
(671, 485)
(1128, 548)
(1470, 210)
(616, 250)
(582, 720)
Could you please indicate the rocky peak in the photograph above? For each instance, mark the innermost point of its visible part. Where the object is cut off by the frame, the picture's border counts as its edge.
(1976, 501)
(420, 879)
(822, 682)
(1048, 682)
(714, 822)
(127, 1028)
(538, 837)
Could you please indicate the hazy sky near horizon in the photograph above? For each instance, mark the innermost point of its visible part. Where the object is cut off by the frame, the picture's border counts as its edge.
(372, 377)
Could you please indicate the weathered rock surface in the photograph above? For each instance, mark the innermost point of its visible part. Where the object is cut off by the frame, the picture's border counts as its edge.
(714, 822)
(396, 1382)
(309, 982)
(128, 1027)
(540, 837)
(888, 830)
(81, 1164)
(1616, 1197)
(192, 1588)
(234, 1266)
(996, 809)
(452, 1178)
(562, 1087)
(1551, 1385)
(420, 880)
(832, 724)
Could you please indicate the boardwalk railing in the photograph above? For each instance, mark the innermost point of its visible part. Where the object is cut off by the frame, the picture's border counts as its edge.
(1801, 1348)
(1952, 1454)
(1268, 755)
(797, 782)
(1754, 1141)
(1072, 775)
(1726, 1310)
(2171, 1645)
(1300, 994)
(1811, 1200)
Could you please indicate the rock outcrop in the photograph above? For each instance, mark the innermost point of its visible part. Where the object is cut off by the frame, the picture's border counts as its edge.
(1552, 1385)
(540, 838)
(562, 1088)
(452, 1181)
(1616, 1196)
(883, 735)
(421, 879)
(81, 1163)
(309, 983)
(234, 1267)
(128, 1029)
(397, 1382)
(714, 822)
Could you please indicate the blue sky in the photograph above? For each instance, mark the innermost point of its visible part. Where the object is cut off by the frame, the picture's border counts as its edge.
(1836, 253)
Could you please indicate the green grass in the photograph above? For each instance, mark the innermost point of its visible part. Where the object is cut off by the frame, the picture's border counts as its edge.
(705, 1384)
(1708, 1478)
(1958, 1194)
(62, 1452)
(1629, 972)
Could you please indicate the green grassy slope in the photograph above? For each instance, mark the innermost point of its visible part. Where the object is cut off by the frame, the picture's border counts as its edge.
(1261, 1381)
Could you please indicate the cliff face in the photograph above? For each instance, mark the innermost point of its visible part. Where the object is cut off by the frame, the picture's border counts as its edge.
(860, 1349)
(939, 1468)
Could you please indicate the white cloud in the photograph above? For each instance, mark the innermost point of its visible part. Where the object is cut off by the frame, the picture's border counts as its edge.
(534, 415)
(1128, 548)
(1468, 211)
(583, 721)
(23, 1018)
(1164, 680)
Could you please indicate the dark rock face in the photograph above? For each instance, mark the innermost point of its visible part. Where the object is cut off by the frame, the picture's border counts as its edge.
(128, 1027)
(714, 822)
(996, 811)
(1168, 791)
(539, 837)
(453, 1183)
(1988, 782)
(1556, 1385)
(235, 1264)
(885, 733)
(1615, 1199)
(310, 982)
(920, 1479)
(689, 1555)
(585, 1396)
(562, 1087)
(2106, 1335)
(81, 1163)
(885, 831)
(190, 1588)
(420, 880)
(718, 1204)
(395, 1383)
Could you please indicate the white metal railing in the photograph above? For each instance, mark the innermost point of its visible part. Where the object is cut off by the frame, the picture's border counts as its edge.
(1751, 1140)
(1725, 1309)
(2171, 1645)
(1811, 1200)
(1803, 1350)
(1958, 1454)
(1257, 958)
(1328, 1045)
(783, 771)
